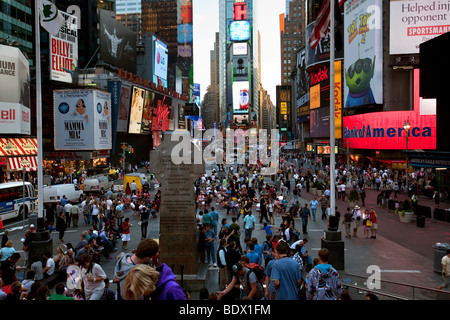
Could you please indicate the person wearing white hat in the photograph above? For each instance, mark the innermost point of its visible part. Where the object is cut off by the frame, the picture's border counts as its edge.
(356, 220)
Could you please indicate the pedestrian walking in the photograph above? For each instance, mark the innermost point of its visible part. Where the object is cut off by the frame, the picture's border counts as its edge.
(356, 220)
(143, 221)
(366, 225)
(305, 215)
(126, 233)
(61, 226)
(373, 218)
(249, 224)
(286, 274)
(263, 208)
(210, 246)
(445, 262)
(323, 206)
(313, 204)
(347, 222)
(75, 212)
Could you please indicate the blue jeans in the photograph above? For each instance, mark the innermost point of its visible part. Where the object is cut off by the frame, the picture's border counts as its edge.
(88, 219)
(210, 253)
(313, 212)
(304, 224)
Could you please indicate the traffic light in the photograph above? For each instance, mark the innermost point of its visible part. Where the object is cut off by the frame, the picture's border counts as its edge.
(132, 150)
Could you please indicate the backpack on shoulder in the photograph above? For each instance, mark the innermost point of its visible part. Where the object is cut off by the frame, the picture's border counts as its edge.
(257, 270)
(323, 290)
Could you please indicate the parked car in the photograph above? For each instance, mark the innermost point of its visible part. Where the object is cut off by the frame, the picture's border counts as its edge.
(94, 184)
(55, 193)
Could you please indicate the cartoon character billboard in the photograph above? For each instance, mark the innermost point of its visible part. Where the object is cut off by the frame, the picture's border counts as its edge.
(363, 47)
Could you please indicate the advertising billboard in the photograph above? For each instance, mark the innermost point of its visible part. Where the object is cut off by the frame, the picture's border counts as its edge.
(321, 53)
(241, 96)
(363, 46)
(384, 130)
(413, 22)
(320, 122)
(146, 122)
(82, 119)
(241, 120)
(240, 49)
(319, 92)
(14, 91)
(124, 108)
(137, 105)
(160, 59)
(302, 79)
(326, 149)
(240, 30)
(64, 50)
(117, 43)
(240, 68)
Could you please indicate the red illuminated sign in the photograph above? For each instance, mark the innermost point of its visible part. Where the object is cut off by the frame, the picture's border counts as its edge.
(161, 114)
(319, 76)
(240, 11)
(384, 130)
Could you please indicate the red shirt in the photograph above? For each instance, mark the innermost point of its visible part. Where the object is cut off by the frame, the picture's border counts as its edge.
(373, 217)
(125, 227)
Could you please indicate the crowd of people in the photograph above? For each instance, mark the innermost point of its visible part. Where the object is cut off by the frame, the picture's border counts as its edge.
(276, 267)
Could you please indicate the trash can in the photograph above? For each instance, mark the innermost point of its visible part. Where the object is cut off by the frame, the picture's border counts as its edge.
(440, 250)
(420, 220)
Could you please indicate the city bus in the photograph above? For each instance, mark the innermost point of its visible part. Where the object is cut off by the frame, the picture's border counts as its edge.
(12, 200)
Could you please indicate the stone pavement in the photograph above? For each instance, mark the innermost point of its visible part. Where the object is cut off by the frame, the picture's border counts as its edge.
(403, 252)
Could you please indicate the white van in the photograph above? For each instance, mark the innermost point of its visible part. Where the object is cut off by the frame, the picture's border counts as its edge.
(98, 183)
(55, 193)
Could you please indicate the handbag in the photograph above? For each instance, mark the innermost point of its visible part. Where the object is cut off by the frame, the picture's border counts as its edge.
(368, 223)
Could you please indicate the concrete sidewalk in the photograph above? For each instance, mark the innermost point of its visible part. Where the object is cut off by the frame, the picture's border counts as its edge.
(402, 252)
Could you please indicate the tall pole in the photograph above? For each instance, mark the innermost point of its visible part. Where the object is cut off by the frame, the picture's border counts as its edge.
(39, 115)
(23, 197)
(332, 114)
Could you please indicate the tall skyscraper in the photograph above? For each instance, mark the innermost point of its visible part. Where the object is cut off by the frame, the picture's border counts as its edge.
(292, 33)
(229, 11)
(16, 25)
(171, 20)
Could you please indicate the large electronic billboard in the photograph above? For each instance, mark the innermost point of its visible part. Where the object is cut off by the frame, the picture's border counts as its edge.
(137, 105)
(117, 43)
(241, 96)
(240, 30)
(161, 61)
(384, 130)
(363, 61)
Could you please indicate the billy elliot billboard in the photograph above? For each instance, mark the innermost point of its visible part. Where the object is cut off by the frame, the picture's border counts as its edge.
(64, 50)
(384, 130)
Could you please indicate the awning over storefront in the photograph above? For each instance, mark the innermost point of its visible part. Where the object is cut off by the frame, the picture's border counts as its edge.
(17, 163)
(18, 147)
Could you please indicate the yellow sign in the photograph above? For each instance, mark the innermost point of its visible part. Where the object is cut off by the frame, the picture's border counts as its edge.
(314, 97)
(124, 147)
(283, 108)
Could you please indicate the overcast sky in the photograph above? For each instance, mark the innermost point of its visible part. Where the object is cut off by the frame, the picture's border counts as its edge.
(206, 24)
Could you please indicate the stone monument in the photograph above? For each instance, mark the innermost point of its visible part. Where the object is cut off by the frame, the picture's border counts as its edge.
(177, 212)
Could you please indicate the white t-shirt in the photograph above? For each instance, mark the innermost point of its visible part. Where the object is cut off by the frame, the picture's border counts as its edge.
(109, 203)
(96, 272)
(51, 265)
(446, 261)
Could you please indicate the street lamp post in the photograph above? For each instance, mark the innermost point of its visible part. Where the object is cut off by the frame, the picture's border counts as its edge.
(407, 126)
